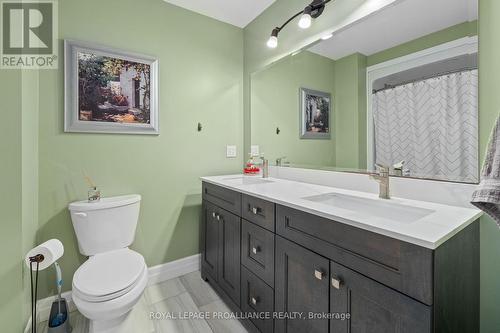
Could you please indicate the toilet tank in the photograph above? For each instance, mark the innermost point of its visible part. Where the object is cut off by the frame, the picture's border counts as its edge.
(106, 225)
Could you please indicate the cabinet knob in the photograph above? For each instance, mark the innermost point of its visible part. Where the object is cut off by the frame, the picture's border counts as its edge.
(213, 214)
(255, 210)
(254, 300)
(336, 283)
(255, 249)
(218, 217)
(319, 274)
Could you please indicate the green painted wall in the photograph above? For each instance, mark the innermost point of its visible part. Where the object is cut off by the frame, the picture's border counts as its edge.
(276, 103)
(201, 63)
(351, 114)
(489, 108)
(29, 183)
(11, 287)
(18, 193)
(440, 37)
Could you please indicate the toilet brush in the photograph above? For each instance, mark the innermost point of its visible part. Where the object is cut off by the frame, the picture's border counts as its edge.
(59, 318)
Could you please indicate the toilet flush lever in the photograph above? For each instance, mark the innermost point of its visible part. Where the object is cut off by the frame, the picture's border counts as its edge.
(81, 214)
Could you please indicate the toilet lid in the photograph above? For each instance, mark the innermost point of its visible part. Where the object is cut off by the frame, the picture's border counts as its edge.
(105, 275)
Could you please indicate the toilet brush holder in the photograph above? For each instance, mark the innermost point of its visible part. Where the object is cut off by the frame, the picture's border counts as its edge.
(59, 317)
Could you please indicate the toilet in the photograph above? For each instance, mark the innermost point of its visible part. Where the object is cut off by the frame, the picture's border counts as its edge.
(109, 284)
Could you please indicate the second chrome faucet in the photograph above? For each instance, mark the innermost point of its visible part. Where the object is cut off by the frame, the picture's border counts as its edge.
(382, 177)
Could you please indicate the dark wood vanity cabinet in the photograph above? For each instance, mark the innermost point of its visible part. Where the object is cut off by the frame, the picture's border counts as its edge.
(372, 306)
(209, 240)
(312, 274)
(301, 287)
(220, 242)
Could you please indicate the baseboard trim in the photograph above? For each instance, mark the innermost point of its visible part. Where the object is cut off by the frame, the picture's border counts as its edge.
(174, 269)
(157, 274)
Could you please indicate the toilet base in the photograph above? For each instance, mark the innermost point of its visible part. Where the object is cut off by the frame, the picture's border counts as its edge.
(115, 325)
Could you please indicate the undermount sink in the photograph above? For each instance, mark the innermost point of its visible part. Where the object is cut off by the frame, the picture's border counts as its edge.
(372, 208)
(247, 180)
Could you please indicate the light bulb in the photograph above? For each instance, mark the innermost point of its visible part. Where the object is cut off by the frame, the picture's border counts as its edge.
(305, 21)
(272, 43)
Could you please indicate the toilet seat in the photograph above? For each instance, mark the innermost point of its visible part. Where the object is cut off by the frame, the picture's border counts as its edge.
(108, 275)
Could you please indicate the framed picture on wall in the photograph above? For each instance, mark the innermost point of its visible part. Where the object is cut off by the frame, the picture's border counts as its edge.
(315, 114)
(109, 91)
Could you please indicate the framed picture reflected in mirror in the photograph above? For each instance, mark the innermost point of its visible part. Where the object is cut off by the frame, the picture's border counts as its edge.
(315, 114)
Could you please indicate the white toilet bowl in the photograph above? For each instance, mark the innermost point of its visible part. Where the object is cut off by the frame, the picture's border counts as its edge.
(107, 286)
(111, 282)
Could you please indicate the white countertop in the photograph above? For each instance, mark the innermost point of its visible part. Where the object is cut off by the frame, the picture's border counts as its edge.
(430, 231)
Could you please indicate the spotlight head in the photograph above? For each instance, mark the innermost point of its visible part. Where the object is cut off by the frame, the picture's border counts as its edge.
(306, 19)
(273, 40)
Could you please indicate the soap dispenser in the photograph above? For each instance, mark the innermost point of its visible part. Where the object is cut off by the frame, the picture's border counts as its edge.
(251, 168)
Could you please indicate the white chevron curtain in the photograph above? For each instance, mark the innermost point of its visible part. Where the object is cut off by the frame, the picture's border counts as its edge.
(432, 125)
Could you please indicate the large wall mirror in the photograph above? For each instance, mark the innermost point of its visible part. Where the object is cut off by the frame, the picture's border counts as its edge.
(398, 88)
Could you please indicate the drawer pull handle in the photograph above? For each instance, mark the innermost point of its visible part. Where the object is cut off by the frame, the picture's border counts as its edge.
(255, 249)
(336, 283)
(319, 274)
(254, 300)
(255, 210)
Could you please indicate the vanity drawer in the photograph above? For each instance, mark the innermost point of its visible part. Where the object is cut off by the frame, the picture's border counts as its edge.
(258, 211)
(402, 266)
(257, 297)
(257, 251)
(222, 197)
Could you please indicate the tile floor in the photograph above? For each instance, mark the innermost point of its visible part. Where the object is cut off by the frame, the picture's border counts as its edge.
(188, 293)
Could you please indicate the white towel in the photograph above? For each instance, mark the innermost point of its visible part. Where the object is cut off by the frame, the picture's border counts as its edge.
(487, 196)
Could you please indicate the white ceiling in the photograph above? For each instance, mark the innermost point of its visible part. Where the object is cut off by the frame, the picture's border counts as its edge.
(235, 12)
(396, 24)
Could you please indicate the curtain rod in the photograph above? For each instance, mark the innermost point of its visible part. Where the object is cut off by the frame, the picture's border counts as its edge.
(390, 86)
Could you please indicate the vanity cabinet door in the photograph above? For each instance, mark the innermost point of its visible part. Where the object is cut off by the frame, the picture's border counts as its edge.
(209, 241)
(301, 286)
(229, 254)
(372, 306)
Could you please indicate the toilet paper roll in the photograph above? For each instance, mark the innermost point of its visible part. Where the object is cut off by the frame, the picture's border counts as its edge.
(51, 250)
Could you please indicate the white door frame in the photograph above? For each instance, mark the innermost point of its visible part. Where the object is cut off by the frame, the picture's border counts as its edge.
(462, 46)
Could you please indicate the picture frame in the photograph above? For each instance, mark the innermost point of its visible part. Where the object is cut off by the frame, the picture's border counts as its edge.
(109, 90)
(315, 114)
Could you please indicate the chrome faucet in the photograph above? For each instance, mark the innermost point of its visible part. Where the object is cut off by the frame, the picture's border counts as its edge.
(265, 167)
(382, 177)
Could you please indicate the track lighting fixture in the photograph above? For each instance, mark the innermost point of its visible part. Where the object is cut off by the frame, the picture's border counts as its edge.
(312, 11)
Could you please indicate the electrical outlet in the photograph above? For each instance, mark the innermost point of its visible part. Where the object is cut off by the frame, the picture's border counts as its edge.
(230, 151)
(254, 150)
